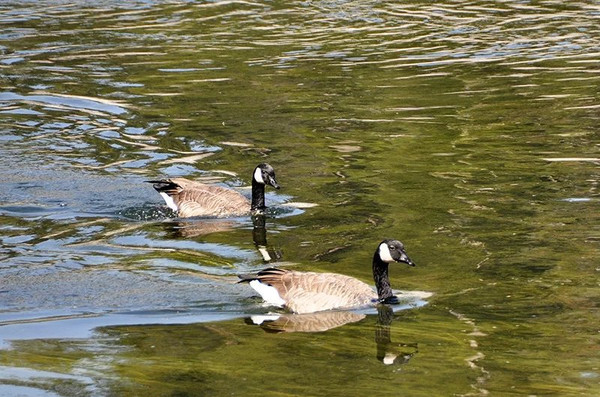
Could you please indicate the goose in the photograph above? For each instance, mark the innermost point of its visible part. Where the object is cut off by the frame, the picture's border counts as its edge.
(190, 198)
(309, 292)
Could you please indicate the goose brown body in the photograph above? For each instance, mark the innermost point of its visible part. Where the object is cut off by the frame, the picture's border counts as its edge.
(195, 199)
(308, 292)
(200, 199)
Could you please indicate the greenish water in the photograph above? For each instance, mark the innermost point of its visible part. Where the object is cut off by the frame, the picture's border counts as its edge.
(467, 130)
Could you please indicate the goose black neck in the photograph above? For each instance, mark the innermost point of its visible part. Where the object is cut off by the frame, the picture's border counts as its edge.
(258, 196)
(382, 280)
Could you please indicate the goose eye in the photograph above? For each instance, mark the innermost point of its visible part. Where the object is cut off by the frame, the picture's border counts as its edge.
(392, 247)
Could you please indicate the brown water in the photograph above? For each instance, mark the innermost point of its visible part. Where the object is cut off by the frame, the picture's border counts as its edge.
(469, 130)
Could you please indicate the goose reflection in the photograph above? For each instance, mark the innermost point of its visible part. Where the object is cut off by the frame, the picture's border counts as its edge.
(259, 236)
(388, 352)
(201, 227)
(191, 228)
(310, 322)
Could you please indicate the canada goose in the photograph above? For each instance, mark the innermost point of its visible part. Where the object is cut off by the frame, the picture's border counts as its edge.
(189, 198)
(308, 292)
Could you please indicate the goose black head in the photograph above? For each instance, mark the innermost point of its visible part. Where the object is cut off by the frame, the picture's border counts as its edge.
(393, 251)
(265, 175)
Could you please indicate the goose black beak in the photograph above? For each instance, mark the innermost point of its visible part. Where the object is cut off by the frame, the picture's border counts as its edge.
(404, 258)
(273, 183)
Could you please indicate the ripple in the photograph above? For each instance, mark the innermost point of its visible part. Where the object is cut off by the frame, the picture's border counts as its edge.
(66, 101)
(471, 119)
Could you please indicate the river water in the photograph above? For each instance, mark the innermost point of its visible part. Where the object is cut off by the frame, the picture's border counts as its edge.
(468, 130)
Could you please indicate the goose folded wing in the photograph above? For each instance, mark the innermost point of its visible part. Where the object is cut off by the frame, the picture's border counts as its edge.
(209, 200)
(312, 292)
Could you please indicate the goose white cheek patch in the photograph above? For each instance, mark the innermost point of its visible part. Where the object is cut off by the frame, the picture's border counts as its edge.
(268, 293)
(258, 176)
(169, 200)
(384, 253)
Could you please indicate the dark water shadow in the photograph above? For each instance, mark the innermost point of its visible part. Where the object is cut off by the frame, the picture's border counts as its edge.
(146, 212)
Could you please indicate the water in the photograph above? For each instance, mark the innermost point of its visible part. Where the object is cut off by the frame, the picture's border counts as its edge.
(467, 130)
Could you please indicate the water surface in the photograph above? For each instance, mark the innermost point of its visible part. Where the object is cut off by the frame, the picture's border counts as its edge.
(467, 130)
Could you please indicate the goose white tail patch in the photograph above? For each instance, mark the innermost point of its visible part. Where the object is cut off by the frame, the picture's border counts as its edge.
(258, 176)
(385, 254)
(169, 200)
(268, 293)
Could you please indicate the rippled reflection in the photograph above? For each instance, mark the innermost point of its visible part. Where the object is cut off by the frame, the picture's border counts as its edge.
(388, 352)
(468, 130)
(312, 322)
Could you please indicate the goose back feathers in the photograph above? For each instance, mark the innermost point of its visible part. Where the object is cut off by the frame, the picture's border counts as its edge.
(307, 292)
(190, 198)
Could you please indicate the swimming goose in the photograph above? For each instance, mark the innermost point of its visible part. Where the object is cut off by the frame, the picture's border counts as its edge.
(190, 198)
(308, 292)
